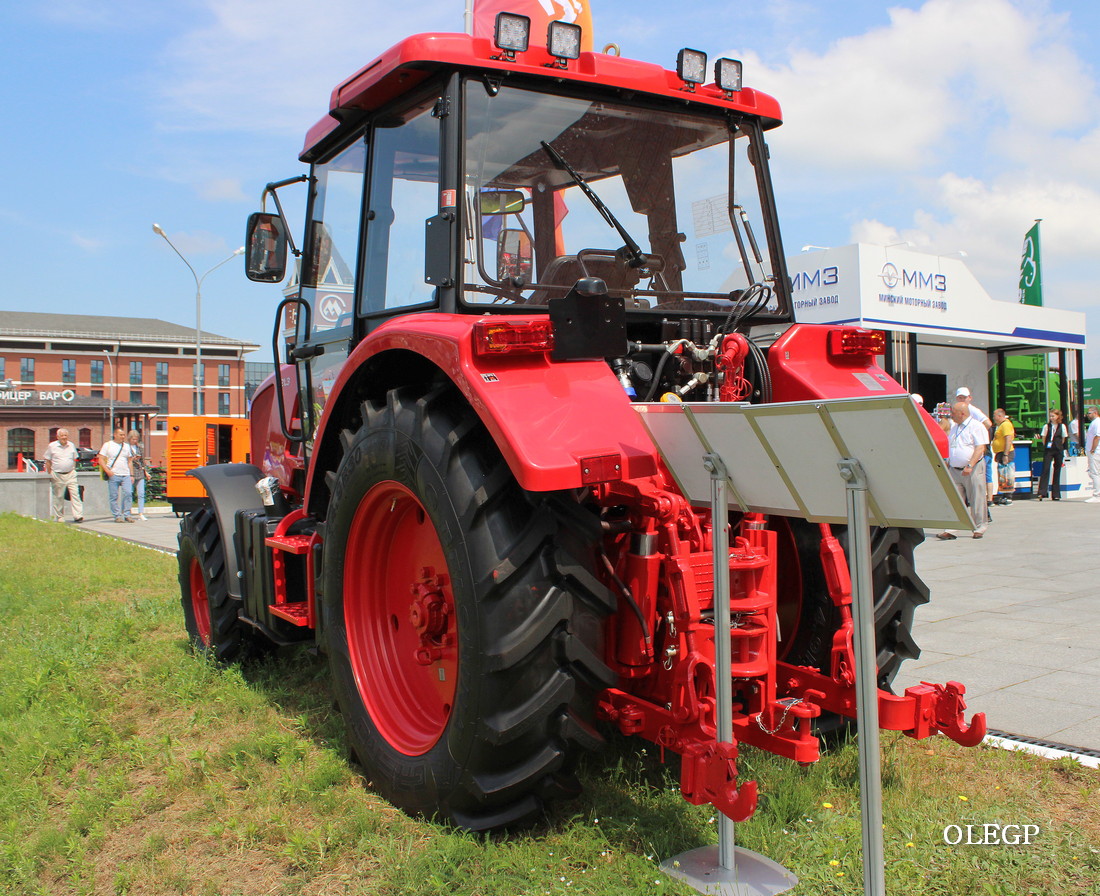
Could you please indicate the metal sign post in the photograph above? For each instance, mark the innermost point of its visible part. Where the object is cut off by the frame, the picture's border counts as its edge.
(863, 639)
(755, 458)
(733, 871)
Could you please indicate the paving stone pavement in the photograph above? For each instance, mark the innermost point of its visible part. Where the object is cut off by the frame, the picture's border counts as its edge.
(1015, 616)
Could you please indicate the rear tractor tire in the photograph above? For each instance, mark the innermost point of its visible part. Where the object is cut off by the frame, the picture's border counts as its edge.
(809, 617)
(211, 614)
(462, 634)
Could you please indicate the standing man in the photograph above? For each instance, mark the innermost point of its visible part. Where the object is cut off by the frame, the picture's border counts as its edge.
(1004, 456)
(963, 394)
(968, 440)
(114, 460)
(1092, 447)
(60, 459)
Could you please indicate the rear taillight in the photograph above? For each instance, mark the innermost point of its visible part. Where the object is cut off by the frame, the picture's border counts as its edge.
(502, 337)
(857, 341)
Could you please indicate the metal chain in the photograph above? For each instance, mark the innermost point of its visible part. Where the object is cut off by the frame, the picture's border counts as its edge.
(788, 704)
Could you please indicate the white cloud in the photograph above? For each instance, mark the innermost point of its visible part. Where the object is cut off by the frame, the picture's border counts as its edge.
(222, 189)
(988, 221)
(270, 65)
(88, 243)
(96, 16)
(902, 96)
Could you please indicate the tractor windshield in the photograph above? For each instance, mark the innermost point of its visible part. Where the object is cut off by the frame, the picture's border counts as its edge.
(558, 188)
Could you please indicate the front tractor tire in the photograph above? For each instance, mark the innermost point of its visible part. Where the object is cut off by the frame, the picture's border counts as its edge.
(461, 633)
(210, 612)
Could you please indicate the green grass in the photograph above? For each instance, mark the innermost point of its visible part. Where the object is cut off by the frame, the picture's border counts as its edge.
(129, 766)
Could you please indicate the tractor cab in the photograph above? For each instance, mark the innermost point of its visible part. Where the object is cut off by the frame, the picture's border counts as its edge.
(455, 176)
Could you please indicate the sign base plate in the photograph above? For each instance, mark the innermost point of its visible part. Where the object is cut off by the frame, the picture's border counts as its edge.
(751, 875)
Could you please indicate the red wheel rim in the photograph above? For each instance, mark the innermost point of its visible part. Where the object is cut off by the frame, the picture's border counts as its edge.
(400, 616)
(200, 602)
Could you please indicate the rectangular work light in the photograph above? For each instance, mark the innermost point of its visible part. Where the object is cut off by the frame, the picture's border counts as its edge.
(856, 341)
(563, 40)
(727, 74)
(512, 32)
(493, 337)
(691, 66)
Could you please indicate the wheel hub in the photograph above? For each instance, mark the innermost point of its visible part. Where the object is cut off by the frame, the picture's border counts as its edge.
(429, 614)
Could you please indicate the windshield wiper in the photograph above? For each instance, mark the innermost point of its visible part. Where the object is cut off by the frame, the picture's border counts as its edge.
(637, 258)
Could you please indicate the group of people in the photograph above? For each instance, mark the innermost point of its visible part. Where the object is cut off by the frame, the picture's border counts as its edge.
(1056, 439)
(981, 458)
(122, 463)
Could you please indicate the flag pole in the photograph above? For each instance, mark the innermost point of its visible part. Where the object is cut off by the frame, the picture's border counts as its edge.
(468, 17)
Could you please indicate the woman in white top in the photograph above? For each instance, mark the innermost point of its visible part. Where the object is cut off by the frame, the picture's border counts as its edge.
(137, 467)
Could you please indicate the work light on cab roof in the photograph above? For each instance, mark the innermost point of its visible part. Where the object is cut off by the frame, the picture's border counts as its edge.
(727, 75)
(691, 66)
(512, 34)
(563, 41)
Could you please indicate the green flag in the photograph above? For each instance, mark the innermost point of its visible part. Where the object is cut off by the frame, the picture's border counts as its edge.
(1031, 273)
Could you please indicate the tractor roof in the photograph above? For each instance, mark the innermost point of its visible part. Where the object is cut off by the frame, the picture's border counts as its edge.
(417, 58)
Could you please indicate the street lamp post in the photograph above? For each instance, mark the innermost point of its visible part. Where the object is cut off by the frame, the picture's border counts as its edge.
(111, 396)
(199, 379)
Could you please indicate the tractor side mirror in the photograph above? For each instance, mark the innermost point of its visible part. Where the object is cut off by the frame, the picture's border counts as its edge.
(266, 242)
(514, 257)
(502, 202)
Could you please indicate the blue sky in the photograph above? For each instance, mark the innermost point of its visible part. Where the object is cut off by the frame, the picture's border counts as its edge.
(949, 123)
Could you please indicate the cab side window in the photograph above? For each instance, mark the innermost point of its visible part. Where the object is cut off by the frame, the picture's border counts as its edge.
(403, 194)
(328, 270)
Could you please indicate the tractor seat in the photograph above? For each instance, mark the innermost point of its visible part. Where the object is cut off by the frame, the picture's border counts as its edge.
(565, 270)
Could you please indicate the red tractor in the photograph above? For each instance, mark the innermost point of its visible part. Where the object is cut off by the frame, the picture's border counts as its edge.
(506, 247)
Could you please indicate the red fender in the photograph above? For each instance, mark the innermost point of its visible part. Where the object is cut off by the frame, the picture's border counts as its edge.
(559, 425)
(803, 368)
(272, 452)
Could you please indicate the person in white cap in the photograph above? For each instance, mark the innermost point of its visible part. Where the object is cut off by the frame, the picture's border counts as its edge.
(965, 464)
(963, 394)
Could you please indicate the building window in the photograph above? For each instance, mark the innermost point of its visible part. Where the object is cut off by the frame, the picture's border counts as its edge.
(135, 396)
(162, 402)
(68, 370)
(198, 371)
(97, 371)
(20, 441)
(85, 438)
(97, 393)
(135, 373)
(160, 425)
(26, 370)
(3, 374)
(162, 373)
(198, 402)
(223, 404)
(223, 375)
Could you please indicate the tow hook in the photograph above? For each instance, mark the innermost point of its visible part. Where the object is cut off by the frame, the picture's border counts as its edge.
(949, 716)
(708, 774)
(942, 707)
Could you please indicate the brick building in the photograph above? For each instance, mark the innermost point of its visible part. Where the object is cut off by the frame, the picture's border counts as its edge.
(76, 370)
